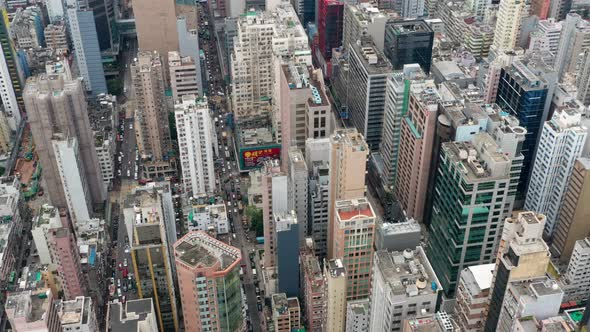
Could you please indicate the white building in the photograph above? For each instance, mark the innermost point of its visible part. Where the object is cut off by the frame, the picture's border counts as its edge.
(546, 38)
(183, 75)
(10, 225)
(508, 24)
(67, 156)
(196, 136)
(364, 18)
(577, 276)
(574, 38)
(298, 190)
(404, 286)
(208, 218)
(77, 315)
(561, 143)
(47, 218)
(472, 296)
(357, 316)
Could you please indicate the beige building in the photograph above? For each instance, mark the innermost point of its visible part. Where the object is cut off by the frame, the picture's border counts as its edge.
(134, 315)
(151, 113)
(472, 296)
(56, 37)
(572, 224)
(348, 164)
(335, 275)
(155, 23)
(286, 313)
(5, 134)
(183, 75)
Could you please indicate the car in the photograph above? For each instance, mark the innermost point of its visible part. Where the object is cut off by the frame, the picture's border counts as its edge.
(128, 172)
(124, 288)
(236, 211)
(112, 280)
(125, 262)
(123, 299)
(130, 126)
(118, 282)
(119, 292)
(120, 266)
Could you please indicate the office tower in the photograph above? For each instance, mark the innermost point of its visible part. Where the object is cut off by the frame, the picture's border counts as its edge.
(407, 281)
(71, 172)
(188, 42)
(287, 252)
(473, 291)
(549, 33)
(417, 133)
(362, 19)
(196, 137)
(305, 111)
(313, 288)
(78, 314)
(152, 116)
(488, 77)
(56, 103)
(574, 38)
(561, 143)
(368, 70)
(318, 189)
(274, 201)
(398, 235)
(354, 235)
(335, 275)
(155, 22)
(298, 191)
(183, 76)
(583, 80)
(574, 213)
(32, 310)
(479, 174)
(27, 28)
(286, 313)
(84, 38)
(408, 42)
(150, 241)
(348, 163)
(525, 91)
(306, 11)
(576, 281)
(357, 315)
(522, 255)
(208, 270)
(330, 22)
(10, 78)
(104, 117)
(508, 25)
(134, 314)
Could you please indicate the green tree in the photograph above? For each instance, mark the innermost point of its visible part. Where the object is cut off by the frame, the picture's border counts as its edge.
(255, 216)
(115, 86)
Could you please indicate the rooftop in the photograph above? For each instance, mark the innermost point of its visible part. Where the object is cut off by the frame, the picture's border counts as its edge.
(407, 273)
(409, 226)
(281, 304)
(410, 26)
(350, 137)
(353, 209)
(199, 250)
(478, 278)
(335, 268)
(372, 60)
(439, 322)
(534, 290)
(301, 76)
(75, 311)
(487, 165)
(126, 317)
(30, 305)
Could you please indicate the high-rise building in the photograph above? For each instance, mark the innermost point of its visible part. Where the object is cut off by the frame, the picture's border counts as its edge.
(196, 137)
(298, 191)
(522, 255)
(147, 219)
(361, 19)
(208, 218)
(306, 10)
(365, 82)
(319, 187)
(561, 143)
(354, 235)
(82, 29)
(475, 177)
(274, 201)
(313, 288)
(155, 22)
(330, 24)
(27, 28)
(574, 38)
(183, 75)
(286, 314)
(438, 322)
(398, 235)
(104, 117)
(151, 114)
(408, 42)
(473, 292)
(287, 251)
(583, 80)
(508, 26)
(188, 42)
(134, 315)
(548, 35)
(33, 311)
(208, 270)
(407, 282)
(574, 213)
(10, 77)
(335, 275)
(56, 37)
(576, 281)
(56, 103)
(78, 314)
(357, 316)
(417, 133)
(348, 163)
(12, 214)
(525, 91)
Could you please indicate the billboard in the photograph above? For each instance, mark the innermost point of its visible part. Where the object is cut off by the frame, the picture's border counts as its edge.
(255, 156)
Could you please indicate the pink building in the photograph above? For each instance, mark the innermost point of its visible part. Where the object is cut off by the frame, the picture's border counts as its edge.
(418, 127)
(354, 235)
(32, 311)
(313, 287)
(64, 250)
(209, 281)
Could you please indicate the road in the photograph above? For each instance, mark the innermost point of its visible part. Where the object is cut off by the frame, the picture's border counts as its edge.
(128, 153)
(227, 170)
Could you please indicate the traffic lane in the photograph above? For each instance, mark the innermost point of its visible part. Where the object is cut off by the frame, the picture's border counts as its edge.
(128, 159)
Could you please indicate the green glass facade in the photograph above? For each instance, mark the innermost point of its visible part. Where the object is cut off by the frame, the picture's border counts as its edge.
(229, 299)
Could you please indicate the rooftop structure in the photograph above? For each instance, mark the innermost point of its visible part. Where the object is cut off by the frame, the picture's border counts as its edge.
(198, 250)
(132, 316)
(32, 311)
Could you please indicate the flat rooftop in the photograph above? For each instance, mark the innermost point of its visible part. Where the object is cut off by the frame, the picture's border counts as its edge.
(199, 250)
(301, 76)
(75, 311)
(354, 209)
(372, 60)
(31, 305)
(336, 268)
(475, 168)
(126, 317)
(350, 137)
(478, 278)
(410, 26)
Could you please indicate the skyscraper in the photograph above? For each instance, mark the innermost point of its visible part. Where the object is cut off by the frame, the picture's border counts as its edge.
(287, 251)
(335, 275)
(10, 78)
(348, 163)
(104, 19)
(151, 114)
(471, 194)
(209, 283)
(274, 201)
(408, 42)
(196, 137)
(188, 41)
(298, 191)
(508, 25)
(56, 103)
(561, 143)
(330, 22)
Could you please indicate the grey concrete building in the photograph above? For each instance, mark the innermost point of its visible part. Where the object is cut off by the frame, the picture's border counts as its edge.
(398, 236)
(298, 190)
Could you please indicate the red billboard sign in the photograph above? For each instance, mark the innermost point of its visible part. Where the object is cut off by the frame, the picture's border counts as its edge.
(255, 157)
